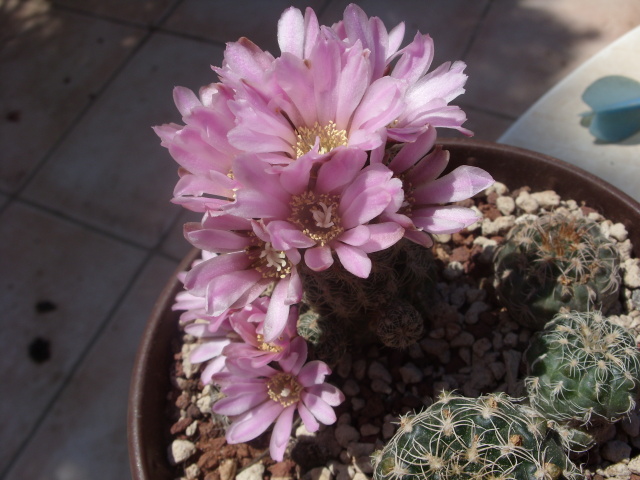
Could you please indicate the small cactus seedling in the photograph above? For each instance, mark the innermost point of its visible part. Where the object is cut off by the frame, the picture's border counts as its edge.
(555, 264)
(471, 438)
(399, 325)
(329, 342)
(583, 370)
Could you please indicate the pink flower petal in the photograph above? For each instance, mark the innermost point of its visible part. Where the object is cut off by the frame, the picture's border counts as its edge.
(285, 236)
(318, 258)
(198, 278)
(464, 182)
(215, 240)
(381, 105)
(224, 290)
(330, 394)
(319, 408)
(340, 171)
(247, 60)
(415, 59)
(297, 357)
(253, 423)
(310, 422)
(445, 219)
(356, 236)
(185, 100)
(281, 433)
(277, 313)
(239, 404)
(366, 206)
(353, 259)
(213, 367)
(352, 85)
(208, 350)
(419, 237)
(313, 372)
(291, 32)
(382, 236)
(412, 152)
(430, 167)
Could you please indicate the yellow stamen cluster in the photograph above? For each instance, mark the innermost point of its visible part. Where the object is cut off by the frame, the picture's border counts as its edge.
(271, 263)
(329, 136)
(266, 346)
(284, 389)
(316, 215)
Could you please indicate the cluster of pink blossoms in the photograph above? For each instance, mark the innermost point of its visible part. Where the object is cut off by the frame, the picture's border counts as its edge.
(287, 159)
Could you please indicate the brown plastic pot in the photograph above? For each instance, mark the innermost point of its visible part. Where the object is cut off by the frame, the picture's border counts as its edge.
(147, 428)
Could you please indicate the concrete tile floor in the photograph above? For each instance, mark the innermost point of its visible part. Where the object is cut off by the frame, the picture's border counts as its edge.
(87, 234)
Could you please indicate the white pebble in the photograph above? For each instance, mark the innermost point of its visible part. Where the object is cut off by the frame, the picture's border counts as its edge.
(410, 373)
(318, 473)
(377, 371)
(506, 205)
(359, 368)
(254, 472)
(181, 450)
(476, 308)
(546, 199)
(481, 346)
(619, 232)
(357, 403)
(388, 430)
(498, 187)
(380, 386)
(350, 387)
(369, 429)
(631, 269)
(527, 203)
(345, 434)
(465, 339)
(615, 451)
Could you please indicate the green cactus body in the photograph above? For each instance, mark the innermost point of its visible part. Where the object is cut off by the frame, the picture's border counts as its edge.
(325, 335)
(583, 369)
(460, 438)
(390, 303)
(555, 264)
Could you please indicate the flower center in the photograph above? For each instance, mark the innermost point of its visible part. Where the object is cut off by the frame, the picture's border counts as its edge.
(329, 136)
(266, 346)
(271, 263)
(284, 389)
(316, 215)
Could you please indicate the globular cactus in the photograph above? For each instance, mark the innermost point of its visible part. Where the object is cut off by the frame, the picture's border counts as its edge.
(583, 370)
(325, 335)
(490, 437)
(399, 325)
(555, 264)
(391, 301)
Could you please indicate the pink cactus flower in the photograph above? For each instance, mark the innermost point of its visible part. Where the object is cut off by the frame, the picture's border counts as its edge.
(249, 265)
(258, 397)
(201, 147)
(419, 165)
(248, 324)
(324, 213)
(427, 94)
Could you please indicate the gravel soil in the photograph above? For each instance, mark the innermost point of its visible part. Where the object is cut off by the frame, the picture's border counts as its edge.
(471, 346)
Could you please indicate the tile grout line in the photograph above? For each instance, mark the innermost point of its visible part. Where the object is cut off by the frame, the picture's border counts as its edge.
(476, 30)
(150, 31)
(150, 252)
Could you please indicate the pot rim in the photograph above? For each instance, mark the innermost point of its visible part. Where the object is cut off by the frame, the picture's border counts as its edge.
(147, 462)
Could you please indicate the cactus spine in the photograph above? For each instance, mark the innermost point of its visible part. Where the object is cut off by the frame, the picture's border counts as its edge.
(555, 264)
(462, 438)
(583, 369)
